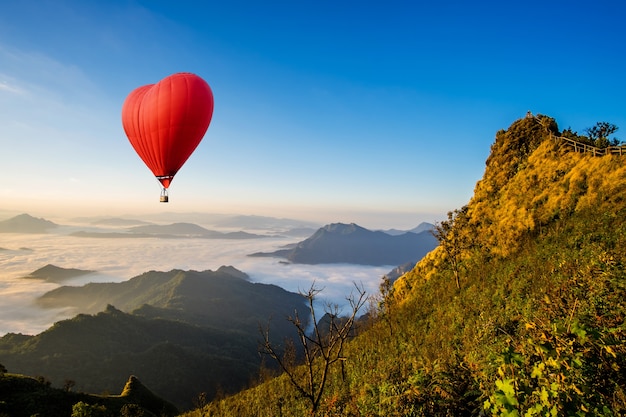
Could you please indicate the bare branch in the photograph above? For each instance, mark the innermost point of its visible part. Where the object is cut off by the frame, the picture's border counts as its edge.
(321, 349)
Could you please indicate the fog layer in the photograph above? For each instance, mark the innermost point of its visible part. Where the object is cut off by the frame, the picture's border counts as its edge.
(120, 259)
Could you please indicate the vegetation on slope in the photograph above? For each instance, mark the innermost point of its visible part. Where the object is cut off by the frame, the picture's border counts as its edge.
(23, 396)
(184, 333)
(175, 359)
(536, 324)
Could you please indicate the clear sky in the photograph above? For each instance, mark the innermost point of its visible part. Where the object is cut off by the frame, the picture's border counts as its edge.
(380, 113)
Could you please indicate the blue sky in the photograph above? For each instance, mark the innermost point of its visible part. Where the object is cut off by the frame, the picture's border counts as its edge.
(379, 113)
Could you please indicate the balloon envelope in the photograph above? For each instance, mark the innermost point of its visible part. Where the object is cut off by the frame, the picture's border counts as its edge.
(166, 121)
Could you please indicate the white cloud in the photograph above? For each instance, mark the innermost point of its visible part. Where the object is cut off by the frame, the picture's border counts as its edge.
(120, 259)
(8, 86)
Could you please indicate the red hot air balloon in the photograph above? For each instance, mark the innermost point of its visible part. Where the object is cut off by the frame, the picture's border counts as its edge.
(166, 121)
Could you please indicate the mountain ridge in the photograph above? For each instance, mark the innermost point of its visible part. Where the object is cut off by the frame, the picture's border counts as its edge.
(199, 297)
(25, 223)
(53, 273)
(351, 243)
(17, 391)
(177, 325)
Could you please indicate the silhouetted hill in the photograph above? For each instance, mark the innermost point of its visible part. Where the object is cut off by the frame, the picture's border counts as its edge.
(183, 332)
(422, 227)
(264, 222)
(24, 396)
(176, 229)
(222, 299)
(25, 223)
(136, 393)
(350, 243)
(176, 359)
(52, 273)
(119, 222)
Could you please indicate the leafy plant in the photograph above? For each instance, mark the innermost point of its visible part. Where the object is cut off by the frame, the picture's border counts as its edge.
(600, 132)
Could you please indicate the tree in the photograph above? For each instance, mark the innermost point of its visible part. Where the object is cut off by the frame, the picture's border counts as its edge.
(322, 347)
(82, 409)
(386, 302)
(132, 410)
(570, 134)
(3, 370)
(600, 133)
(454, 240)
(68, 385)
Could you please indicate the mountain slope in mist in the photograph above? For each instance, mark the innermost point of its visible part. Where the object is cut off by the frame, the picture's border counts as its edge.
(99, 352)
(52, 273)
(350, 243)
(24, 396)
(25, 223)
(183, 333)
(189, 230)
(223, 299)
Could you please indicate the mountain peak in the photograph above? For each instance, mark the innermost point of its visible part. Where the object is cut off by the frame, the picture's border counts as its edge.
(25, 223)
(52, 273)
(350, 243)
(133, 387)
(343, 228)
(143, 397)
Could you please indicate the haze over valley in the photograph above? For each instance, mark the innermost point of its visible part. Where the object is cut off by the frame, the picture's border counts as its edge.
(124, 256)
(199, 199)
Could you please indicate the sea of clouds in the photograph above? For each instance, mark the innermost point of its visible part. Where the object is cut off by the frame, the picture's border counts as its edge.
(119, 259)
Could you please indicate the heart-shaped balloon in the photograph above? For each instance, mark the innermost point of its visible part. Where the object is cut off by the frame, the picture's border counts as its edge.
(166, 121)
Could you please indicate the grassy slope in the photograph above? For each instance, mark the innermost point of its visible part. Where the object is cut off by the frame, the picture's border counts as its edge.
(538, 324)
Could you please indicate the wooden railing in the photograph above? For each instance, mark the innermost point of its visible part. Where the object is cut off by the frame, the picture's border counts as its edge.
(585, 148)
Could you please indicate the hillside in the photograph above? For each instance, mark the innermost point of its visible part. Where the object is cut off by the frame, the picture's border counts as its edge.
(23, 396)
(223, 299)
(536, 324)
(189, 230)
(176, 360)
(25, 223)
(350, 243)
(182, 333)
(52, 273)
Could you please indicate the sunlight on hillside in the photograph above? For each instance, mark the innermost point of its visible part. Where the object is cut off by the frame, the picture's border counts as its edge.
(534, 325)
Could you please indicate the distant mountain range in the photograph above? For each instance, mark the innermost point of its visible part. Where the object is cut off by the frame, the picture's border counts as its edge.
(25, 223)
(174, 230)
(190, 230)
(350, 243)
(134, 228)
(422, 227)
(181, 333)
(25, 396)
(118, 222)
